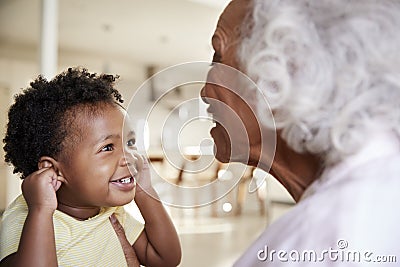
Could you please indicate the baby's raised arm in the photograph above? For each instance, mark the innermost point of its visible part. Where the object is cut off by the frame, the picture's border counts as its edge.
(158, 244)
(37, 244)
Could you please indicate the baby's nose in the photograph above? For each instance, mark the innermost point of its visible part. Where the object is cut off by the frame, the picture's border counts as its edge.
(128, 159)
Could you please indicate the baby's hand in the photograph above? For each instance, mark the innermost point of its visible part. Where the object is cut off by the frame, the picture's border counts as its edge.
(143, 178)
(39, 189)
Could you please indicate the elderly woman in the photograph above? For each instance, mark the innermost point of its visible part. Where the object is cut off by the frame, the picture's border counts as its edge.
(329, 71)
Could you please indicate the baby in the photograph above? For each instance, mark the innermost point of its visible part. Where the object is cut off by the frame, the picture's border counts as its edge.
(79, 165)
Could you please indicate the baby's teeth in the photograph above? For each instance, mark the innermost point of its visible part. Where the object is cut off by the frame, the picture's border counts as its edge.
(125, 180)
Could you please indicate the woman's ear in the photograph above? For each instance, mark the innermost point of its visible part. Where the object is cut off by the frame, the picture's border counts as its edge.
(48, 162)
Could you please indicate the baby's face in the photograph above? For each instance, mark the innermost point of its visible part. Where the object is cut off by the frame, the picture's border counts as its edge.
(96, 169)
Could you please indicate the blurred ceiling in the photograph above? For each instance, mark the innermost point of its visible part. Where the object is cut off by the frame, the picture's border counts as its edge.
(147, 32)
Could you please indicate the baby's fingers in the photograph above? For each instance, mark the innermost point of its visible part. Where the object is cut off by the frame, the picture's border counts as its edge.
(57, 182)
(144, 177)
(39, 189)
(138, 161)
(142, 162)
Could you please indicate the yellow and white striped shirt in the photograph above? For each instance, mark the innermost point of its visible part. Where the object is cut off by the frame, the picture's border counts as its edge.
(92, 242)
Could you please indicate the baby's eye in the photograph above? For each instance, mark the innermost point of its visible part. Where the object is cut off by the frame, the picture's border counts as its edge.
(131, 143)
(109, 147)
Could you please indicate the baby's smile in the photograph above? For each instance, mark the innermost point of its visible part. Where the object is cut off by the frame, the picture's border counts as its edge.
(125, 184)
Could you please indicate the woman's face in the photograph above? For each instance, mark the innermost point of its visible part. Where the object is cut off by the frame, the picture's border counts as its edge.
(255, 145)
(237, 131)
(95, 167)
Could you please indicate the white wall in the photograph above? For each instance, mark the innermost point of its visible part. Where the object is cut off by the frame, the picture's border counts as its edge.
(4, 99)
(14, 74)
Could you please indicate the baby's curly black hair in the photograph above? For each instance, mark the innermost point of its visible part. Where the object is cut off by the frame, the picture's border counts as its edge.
(37, 121)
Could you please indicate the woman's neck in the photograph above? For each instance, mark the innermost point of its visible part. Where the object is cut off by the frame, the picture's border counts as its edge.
(294, 171)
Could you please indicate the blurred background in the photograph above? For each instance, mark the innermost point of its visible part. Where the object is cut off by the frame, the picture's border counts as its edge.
(136, 39)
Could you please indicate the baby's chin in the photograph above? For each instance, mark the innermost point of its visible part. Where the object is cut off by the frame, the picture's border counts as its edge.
(124, 200)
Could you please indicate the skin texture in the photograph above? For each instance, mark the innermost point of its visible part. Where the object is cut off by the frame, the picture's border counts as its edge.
(79, 182)
(295, 171)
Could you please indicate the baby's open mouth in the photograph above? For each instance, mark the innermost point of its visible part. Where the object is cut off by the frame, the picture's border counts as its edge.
(126, 180)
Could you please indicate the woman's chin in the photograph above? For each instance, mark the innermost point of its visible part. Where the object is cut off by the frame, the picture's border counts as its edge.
(222, 158)
(222, 143)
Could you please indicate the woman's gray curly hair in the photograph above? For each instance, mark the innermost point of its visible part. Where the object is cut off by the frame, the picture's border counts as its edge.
(330, 70)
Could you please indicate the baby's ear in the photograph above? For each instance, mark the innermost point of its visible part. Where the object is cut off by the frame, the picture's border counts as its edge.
(47, 162)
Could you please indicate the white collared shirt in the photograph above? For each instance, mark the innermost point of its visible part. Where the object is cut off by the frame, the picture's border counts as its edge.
(348, 217)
